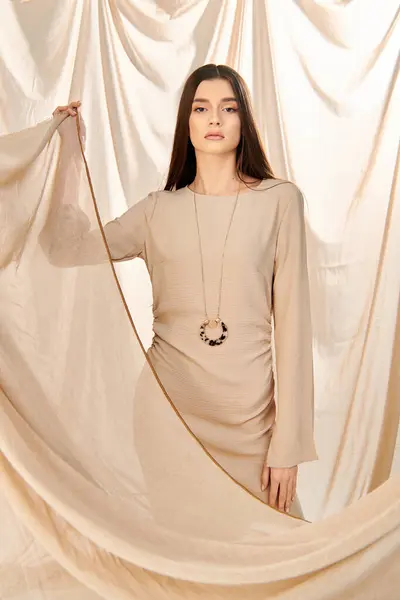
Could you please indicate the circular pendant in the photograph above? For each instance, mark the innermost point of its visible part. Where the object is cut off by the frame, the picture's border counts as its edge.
(213, 323)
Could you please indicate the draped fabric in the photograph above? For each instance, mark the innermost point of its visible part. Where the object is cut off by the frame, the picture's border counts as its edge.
(105, 492)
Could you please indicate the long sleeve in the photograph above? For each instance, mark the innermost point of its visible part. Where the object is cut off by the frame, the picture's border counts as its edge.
(69, 237)
(126, 234)
(71, 241)
(292, 438)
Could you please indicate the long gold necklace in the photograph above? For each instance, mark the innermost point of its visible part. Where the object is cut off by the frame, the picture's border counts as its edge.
(213, 323)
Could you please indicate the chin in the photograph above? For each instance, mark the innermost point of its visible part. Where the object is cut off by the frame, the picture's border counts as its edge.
(217, 148)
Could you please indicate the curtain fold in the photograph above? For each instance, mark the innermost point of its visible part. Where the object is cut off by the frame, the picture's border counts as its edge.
(82, 516)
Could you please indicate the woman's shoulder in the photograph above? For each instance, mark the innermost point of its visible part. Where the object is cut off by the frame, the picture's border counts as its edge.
(284, 187)
(156, 200)
(152, 198)
(166, 194)
(284, 191)
(281, 196)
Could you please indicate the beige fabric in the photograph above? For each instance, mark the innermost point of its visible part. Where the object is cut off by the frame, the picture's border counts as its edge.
(226, 393)
(97, 461)
(324, 80)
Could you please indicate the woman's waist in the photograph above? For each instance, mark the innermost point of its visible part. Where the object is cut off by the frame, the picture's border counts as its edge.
(241, 371)
(249, 326)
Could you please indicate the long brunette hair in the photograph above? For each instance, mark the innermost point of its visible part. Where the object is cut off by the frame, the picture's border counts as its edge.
(251, 160)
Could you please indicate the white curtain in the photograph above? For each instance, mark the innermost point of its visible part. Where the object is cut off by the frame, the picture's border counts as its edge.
(324, 78)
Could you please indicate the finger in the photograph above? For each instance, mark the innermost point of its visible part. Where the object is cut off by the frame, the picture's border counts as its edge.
(60, 109)
(283, 490)
(273, 492)
(70, 108)
(294, 487)
(293, 494)
(290, 495)
(264, 478)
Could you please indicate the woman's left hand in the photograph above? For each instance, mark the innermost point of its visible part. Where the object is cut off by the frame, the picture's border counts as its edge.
(280, 484)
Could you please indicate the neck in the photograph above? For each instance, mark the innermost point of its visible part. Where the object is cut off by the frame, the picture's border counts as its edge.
(215, 175)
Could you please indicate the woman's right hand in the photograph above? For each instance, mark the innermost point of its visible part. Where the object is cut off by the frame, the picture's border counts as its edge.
(66, 132)
(71, 109)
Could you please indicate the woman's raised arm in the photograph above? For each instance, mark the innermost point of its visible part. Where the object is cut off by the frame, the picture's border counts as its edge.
(69, 238)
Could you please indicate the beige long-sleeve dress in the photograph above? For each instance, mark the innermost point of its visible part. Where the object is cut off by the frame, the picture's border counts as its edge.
(227, 394)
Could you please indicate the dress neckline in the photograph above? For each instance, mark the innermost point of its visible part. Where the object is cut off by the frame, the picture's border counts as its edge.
(243, 192)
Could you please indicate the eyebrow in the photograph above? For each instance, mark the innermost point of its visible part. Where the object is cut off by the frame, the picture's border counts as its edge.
(230, 99)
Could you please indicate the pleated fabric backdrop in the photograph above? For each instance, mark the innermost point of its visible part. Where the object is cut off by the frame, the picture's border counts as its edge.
(83, 516)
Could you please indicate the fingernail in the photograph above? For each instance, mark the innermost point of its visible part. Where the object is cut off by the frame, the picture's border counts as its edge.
(263, 487)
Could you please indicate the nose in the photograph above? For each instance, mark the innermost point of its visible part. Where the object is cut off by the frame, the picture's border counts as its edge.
(215, 120)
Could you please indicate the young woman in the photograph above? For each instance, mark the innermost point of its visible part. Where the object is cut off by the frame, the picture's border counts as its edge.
(224, 244)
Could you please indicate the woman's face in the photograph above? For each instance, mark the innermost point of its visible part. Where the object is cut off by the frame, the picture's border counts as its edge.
(215, 111)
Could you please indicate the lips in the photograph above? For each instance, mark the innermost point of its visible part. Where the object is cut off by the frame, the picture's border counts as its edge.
(214, 136)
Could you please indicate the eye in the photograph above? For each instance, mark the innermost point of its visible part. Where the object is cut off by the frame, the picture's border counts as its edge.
(199, 109)
(230, 109)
